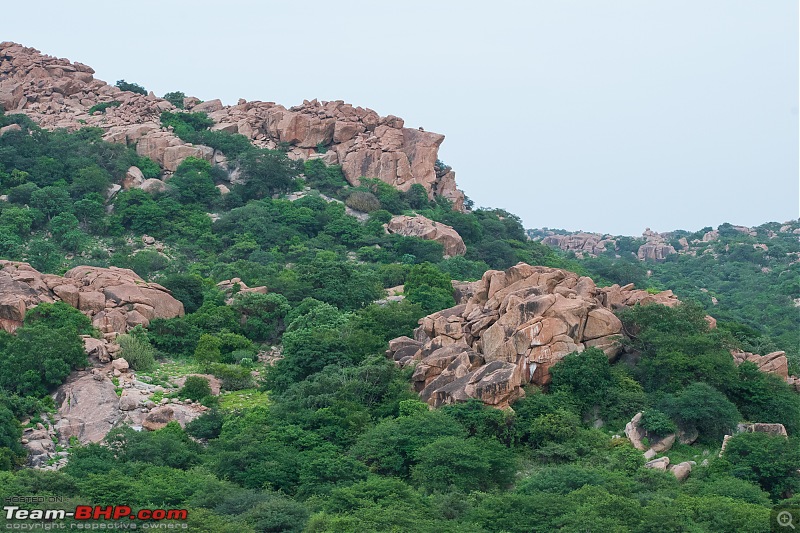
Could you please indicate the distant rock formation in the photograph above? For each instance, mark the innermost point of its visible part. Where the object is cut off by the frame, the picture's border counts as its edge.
(593, 244)
(56, 93)
(116, 299)
(512, 326)
(425, 228)
(655, 248)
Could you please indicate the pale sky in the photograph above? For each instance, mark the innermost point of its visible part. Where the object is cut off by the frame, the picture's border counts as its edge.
(598, 115)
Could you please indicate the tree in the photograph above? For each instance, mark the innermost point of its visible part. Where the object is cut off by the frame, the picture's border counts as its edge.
(137, 351)
(703, 408)
(429, 287)
(17, 220)
(88, 180)
(266, 172)
(175, 98)
(454, 463)
(586, 377)
(132, 87)
(392, 446)
(39, 359)
(262, 314)
(192, 183)
(186, 288)
(208, 349)
(195, 388)
(51, 200)
(769, 461)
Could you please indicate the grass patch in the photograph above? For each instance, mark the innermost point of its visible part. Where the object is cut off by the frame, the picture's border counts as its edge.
(242, 399)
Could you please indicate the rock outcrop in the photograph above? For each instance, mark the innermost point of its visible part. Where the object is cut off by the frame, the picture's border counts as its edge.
(772, 363)
(655, 248)
(57, 93)
(116, 299)
(510, 330)
(88, 406)
(425, 228)
(592, 244)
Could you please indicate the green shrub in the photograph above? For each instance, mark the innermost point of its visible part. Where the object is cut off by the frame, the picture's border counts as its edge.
(195, 388)
(102, 106)
(132, 87)
(429, 287)
(136, 350)
(233, 377)
(208, 349)
(363, 201)
(175, 98)
(657, 423)
(704, 408)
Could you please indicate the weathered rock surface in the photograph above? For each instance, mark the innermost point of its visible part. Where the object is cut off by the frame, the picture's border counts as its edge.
(592, 244)
(655, 247)
(87, 407)
(658, 464)
(682, 470)
(509, 329)
(425, 228)
(231, 287)
(116, 299)
(56, 93)
(772, 363)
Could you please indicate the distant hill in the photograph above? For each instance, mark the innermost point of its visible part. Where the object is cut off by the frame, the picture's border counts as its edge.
(739, 274)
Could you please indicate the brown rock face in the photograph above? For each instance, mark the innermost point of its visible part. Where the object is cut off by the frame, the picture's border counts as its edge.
(158, 418)
(509, 329)
(655, 249)
(56, 93)
(87, 407)
(115, 299)
(772, 363)
(425, 228)
(592, 244)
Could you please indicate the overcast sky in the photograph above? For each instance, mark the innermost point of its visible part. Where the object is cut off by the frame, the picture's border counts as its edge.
(599, 115)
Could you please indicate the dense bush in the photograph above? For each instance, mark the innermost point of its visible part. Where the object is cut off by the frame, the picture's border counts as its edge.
(363, 201)
(195, 388)
(137, 351)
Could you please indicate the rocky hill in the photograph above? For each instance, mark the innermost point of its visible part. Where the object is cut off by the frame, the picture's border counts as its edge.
(190, 319)
(57, 93)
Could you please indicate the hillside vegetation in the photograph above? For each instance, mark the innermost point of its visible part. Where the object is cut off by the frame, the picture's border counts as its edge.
(331, 437)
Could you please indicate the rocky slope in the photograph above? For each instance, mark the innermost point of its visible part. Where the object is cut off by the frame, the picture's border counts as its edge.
(57, 93)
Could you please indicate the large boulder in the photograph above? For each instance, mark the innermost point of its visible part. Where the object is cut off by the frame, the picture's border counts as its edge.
(509, 329)
(425, 228)
(87, 407)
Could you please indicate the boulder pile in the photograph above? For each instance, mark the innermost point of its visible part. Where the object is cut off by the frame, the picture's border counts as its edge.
(512, 326)
(592, 244)
(116, 299)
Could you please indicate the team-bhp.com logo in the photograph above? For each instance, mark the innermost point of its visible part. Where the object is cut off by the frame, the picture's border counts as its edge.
(93, 513)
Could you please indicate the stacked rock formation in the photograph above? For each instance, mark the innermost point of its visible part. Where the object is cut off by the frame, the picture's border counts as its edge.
(592, 244)
(512, 327)
(425, 228)
(56, 93)
(655, 248)
(116, 299)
